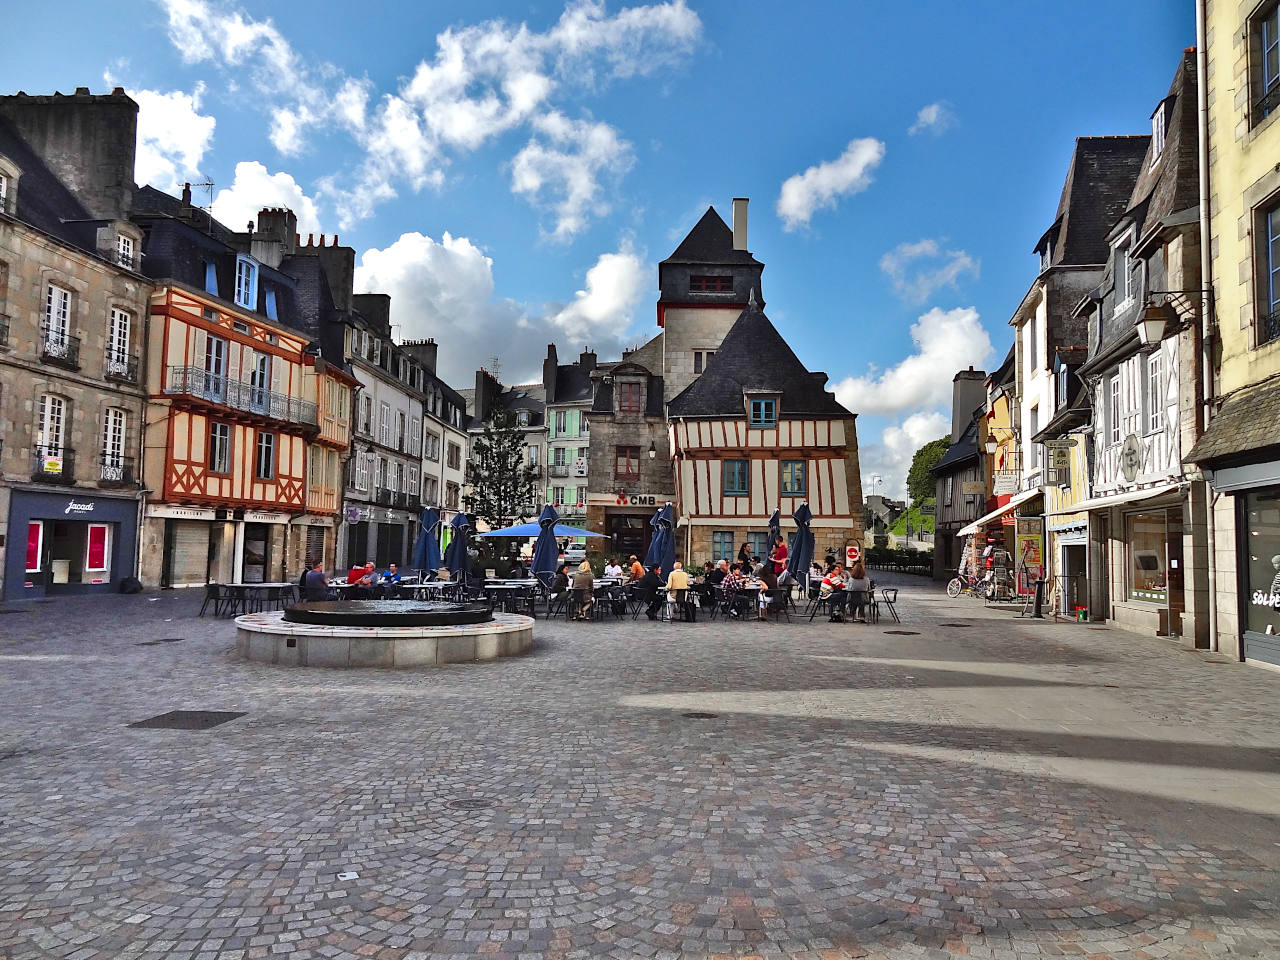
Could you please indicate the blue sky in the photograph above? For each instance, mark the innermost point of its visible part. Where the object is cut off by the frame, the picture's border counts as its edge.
(511, 173)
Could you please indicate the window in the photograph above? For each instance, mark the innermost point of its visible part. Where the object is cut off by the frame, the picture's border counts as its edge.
(1035, 428)
(259, 380)
(722, 546)
(584, 453)
(522, 418)
(118, 342)
(758, 543)
(947, 489)
(266, 456)
(97, 539)
(1265, 30)
(1033, 344)
(1269, 295)
(1155, 396)
(397, 482)
(4, 193)
(1261, 578)
(793, 478)
(432, 450)
(124, 251)
(57, 316)
(557, 496)
(366, 416)
(532, 454)
(415, 435)
(701, 358)
(430, 490)
(561, 424)
(1146, 538)
(377, 351)
(1113, 408)
(51, 427)
(215, 363)
(736, 478)
(219, 448)
(764, 413)
(361, 470)
(629, 400)
(455, 457)
(557, 457)
(270, 297)
(113, 424)
(246, 293)
(451, 492)
(384, 424)
(1123, 275)
(382, 473)
(583, 428)
(626, 463)
(1157, 132)
(703, 284)
(211, 277)
(401, 426)
(413, 481)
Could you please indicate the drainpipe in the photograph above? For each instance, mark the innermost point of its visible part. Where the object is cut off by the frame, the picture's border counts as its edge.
(1206, 306)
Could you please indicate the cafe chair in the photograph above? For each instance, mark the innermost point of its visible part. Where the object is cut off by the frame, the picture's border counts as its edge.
(889, 597)
(213, 594)
(776, 603)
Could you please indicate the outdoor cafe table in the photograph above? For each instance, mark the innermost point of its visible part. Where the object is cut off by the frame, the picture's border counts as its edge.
(242, 595)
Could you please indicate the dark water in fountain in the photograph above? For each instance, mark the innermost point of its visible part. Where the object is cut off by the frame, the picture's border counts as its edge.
(388, 613)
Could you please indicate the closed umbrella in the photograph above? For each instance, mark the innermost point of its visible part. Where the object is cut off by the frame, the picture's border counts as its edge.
(775, 531)
(547, 550)
(662, 548)
(455, 557)
(800, 551)
(426, 550)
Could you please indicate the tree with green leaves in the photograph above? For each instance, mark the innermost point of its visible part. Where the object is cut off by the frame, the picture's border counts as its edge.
(501, 481)
(920, 482)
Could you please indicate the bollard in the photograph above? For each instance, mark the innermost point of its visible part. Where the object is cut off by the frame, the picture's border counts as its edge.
(1039, 608)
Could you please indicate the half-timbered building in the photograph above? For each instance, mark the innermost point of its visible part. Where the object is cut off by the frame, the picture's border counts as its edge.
(755, 432)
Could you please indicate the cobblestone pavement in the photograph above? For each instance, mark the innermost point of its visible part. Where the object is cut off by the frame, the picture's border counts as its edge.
(971, 785)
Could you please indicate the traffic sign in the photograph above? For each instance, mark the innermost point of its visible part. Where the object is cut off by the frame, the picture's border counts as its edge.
(852, 554)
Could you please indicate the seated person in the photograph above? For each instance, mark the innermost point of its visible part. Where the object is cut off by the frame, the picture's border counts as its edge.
(649, 585)
(716, 576)
(389, 582)
(584, 582)
(858, 586)
(637, 571)
(678, 580)
(832, 589)
(733, 585)
(314, 584)
(560, 582)
(612, 570)
(361, 579)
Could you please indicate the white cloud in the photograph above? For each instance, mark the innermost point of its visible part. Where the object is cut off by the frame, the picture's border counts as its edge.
(172, 137)
(918, 270)
(935, 118)
(945, 341)
(890, 457)
(483, 81)
(822, 185)
(254, 188)
(567, 159)
(444, 289)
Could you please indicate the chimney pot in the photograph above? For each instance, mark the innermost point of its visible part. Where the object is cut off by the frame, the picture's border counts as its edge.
(311, 237)
(186, 193)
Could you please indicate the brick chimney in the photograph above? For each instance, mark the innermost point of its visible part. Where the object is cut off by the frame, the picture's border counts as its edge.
(968, 392)
(740, 223)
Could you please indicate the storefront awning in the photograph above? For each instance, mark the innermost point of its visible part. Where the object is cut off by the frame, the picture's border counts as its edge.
(1014, 502)
(1116, 499)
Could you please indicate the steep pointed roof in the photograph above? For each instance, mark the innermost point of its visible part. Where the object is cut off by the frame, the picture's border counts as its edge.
(754, 357)
(1095, 194)
(710, 241)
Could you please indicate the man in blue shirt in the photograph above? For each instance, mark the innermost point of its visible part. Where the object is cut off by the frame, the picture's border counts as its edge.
(389, 582)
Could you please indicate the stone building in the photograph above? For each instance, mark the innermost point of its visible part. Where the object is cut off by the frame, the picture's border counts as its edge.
(445, 441)
(569, 396)
(755, 432)
(73, 314)
(960, 480)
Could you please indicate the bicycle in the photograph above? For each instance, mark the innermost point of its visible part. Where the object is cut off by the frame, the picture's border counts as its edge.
(968, 583)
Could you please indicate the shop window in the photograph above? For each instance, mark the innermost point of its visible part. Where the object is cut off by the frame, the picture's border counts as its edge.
(97, 541)
(1262, 575)
(722, 545)
(1147, 547)
(35, 545)
(737, 478)
(793, 478)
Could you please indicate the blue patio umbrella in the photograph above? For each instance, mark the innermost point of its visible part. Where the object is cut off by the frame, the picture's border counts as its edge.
(455, 556)
(426, 549)
(662, 548)
(547, 550)
(800, 551)
(534, 529)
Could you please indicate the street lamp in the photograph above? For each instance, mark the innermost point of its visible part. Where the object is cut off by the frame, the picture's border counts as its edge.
(653, 451)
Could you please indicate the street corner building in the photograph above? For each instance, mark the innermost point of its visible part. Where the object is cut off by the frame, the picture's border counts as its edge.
(756, 432)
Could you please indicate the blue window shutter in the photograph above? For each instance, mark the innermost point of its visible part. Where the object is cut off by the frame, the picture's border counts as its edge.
(210, 277)
(271, 304)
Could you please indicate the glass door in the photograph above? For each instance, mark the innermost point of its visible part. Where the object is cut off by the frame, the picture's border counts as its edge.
(215, 369)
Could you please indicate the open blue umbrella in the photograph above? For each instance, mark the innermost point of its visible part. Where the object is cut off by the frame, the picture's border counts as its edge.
(426, 550)
(547, 550)
(455, 556)
(535, 529)
(662, 547)
(800, 552)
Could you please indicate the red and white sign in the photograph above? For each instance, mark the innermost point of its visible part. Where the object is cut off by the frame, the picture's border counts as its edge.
(852, 554)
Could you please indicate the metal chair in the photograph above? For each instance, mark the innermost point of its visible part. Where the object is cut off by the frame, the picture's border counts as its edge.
(578, 598)
(889, 597)
(776, 601)
(213, 594)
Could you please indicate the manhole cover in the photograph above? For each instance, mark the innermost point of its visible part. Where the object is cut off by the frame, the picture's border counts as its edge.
(470, 803)
(700, 715)
(903, 633)
(186, 720)
(955, 624)
(152, 643)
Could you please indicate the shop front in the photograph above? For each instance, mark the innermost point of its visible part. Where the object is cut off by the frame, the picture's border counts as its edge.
(624, 519)
(1258, 520)
(73, 543)
(1004, 548)
(383, 535)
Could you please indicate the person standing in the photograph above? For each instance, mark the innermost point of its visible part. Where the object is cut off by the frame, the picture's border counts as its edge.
(744, 556)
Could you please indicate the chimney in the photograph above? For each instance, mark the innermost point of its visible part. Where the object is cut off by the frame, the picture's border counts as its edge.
(740, 223)
(549, 368)
(968, 392)
(587, 359)
(424, 351)
(186, 194)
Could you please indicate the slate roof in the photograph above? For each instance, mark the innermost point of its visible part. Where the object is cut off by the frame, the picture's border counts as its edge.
(1096, 193)
(961, 453)
(1070, 417)
(710, 241)
(43, 201)
(603, 402)
(1245, 425)
(573, 383)
(754, 356)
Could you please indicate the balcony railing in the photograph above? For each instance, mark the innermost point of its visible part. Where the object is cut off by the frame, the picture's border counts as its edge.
(535, 469)
(1269, 328)
(121, 366)
(115, 472)
(4, 330)
(53, 465)
(126, 260)
(558, 470)
(60, 348)
(216, 388)
(1266, 103)
(383, 496)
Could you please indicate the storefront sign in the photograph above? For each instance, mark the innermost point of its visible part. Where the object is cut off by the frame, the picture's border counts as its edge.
(654, 500)
(1005, 483)
(1131, 457)
(353, 514)
(77, 508)
(265, 516)
(973, 488)
(165, 512)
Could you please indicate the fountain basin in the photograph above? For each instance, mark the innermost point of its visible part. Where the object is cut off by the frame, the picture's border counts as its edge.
(388, 613)
(268, 637)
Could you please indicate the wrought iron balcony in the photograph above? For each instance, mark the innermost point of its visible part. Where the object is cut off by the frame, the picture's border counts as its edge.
(383, 496)
(412, 502)
(558, 470)
(60, 348)
(1269, 328)
(126, 260)
(53, 465)
(535, 469)
(121, 366)
(1266, 103)
(4, 330)
(115, 472)
(216, 388)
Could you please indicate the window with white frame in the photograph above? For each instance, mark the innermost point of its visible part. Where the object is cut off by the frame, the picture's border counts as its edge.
(113, 427)
(1157, 132)
(57, 316)
(124, 251)
(51, 427)
(361, 478)
(413, 481)
(1155, 413)
(430, 490)
(1123, 274)
(366, 415)
(432, 451)
(1035, 428)
(398, 478)
(246, 292)
(384, 424)
(1113, 408)
(4, 193)
(219, 448)
(382, 473)
(561, 428)
(118, 341)
(415, 435)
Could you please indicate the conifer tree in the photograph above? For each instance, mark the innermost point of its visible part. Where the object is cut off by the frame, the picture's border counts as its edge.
(501, 482)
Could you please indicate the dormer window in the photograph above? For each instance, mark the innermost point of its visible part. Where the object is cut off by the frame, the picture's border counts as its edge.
(4, 193)
(1158, 131)
(704, 284)
(630, 399)
(125, 251)
(246, 294)
(9, 174)
(522, 418)
(764, 412)
(1124, 274)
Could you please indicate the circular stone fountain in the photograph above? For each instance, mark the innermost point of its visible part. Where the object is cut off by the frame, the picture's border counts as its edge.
(381, 633)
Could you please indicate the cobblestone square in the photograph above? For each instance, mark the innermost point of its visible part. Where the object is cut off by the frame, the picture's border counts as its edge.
(962, 784)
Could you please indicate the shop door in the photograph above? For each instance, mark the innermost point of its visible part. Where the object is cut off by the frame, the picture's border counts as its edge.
(628, 533)
(1174, 574)
(257, 540)
(1075, 578)
(386, 545)
(357, 544)
(186, 553)
(66, 556)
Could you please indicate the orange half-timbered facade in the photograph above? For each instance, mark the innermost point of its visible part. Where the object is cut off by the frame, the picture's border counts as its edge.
(757, 432)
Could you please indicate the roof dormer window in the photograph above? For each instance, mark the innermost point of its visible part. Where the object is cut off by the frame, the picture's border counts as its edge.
(764, 412)
(125, 255)
(246, 294)
(9, 174)
(705, 284)
(4, 193)
(1158, 122)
